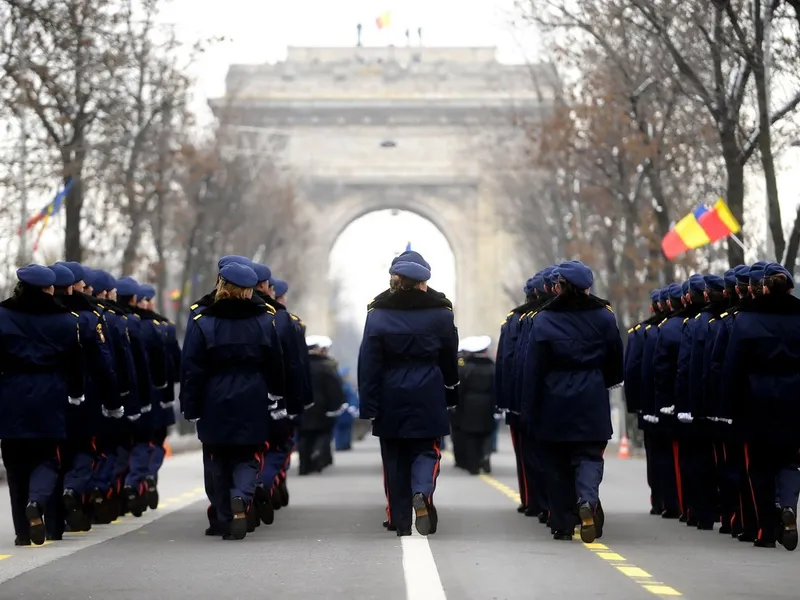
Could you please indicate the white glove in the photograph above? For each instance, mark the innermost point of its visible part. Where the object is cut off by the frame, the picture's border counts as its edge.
(274, 400)
(146, 408)
(166, 404)
(685, 417)
(134, 417)
(194, 420)
(307, 406)
(77, 401)
(614, 387)
(650, 418)
(116, 413)
(726, 421)
(668, 410)
(277, 415)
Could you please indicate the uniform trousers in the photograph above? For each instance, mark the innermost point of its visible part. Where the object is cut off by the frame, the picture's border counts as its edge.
(157, 451)
(574, 471)
(32, 474)
(103, 476)
(411, 467)
(476, 449)
(764, 462)
(664, 457)
(78, 460)
(519, 447)
(311, 450)
(234, 471)
(534, 461)
(139, 460)
(698, 478)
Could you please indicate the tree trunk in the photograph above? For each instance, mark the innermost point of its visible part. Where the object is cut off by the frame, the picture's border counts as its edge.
(662, 224)
(734, 190)
(794, 242)
(73, 203)
(131, 247)
(767, 162)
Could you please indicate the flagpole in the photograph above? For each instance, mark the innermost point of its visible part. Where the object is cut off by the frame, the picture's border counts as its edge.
(738, 242)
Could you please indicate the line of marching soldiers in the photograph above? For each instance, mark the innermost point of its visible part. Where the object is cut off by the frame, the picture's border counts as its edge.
(248, 380)
(714, 376)
(87, 373)
(558, 356)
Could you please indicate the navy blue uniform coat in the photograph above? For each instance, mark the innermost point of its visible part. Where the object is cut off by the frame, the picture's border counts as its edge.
(408, 365)
(41, 366)
(760, 374)
(574, 356)
(232, 364)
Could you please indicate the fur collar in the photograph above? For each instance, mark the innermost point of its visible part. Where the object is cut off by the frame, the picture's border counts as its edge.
(34, 301)
(532, 305)
(411, 300)
(76, 302)
(574, 303)
(268, 300)
(773, 304)
(234, 308)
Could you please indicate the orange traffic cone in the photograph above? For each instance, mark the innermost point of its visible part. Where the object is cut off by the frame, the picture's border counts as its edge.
(624, 447)
(167, 449)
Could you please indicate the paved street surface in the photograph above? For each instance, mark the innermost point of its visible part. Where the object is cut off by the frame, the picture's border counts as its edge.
(329, 544)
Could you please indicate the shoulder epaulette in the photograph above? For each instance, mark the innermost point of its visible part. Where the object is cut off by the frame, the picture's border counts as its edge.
(632, 329)
(137, 316)
(685, 319)
(194, 307)
(664, 321)
(270, 310)
(197, 316)
(295, 317)
(125, 317)
(96, 313)
(648, 327)
(609, 309)
(76, 315)
(638, 327)
(711, 320)
(723, 315)
(697, 316)
(509, 314)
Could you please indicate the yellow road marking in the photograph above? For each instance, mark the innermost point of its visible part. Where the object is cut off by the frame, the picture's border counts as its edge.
(622, 565)
(4, 556)
(46, 543)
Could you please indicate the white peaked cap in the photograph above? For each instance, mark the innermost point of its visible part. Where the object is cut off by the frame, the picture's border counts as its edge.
(320, 341)
(475, 343)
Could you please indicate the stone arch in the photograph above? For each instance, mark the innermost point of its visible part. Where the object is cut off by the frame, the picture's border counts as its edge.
(451, 212)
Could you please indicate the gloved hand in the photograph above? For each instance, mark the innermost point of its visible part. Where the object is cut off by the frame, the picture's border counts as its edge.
(668, 410)
(685, 417)
(77, 401)
(274, 400)
(166, 404)
(650, 418)
(146, 408)
(277, 415)
(134, 417)
(116, 413)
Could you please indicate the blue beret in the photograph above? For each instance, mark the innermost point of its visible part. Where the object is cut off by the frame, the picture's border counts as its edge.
(742, 274)
(756, 273)
(36, 275)
(127, 286)
(411, 270)
(714, 282)
(552, 278)
(89, 276)
(546, 273)
(231, 258)
(75, 267)
(730, 278)
(538, 282)
(577, 273)
(674, 291)
(759, 264)
(64, 275)
(778, 269)
(529, 287)
(262, 271)
(147, 291)
(663, 294)
(239, 274)
(685, 288)
(411, 256)
(697, 283)
(103, 281)
(281, 287)
(655, 295)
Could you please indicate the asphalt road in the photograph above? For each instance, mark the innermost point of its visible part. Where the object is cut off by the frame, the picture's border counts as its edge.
(329, 544)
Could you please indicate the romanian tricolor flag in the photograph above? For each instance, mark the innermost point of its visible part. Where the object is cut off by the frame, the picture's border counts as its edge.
(702, 226)
(384, 20)
(51, 209)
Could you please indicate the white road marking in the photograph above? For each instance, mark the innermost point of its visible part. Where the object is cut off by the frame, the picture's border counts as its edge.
(419, 569)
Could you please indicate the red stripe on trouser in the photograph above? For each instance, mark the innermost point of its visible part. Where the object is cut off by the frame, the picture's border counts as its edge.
(752, 489)
(524, 491)
(676, 460)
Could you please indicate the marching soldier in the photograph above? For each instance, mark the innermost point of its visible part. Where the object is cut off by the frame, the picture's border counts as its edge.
(230, 352)
(407, 377)
(476, 405)
(42, 376)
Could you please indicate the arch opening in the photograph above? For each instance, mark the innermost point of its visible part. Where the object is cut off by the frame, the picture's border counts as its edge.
(358, 268)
